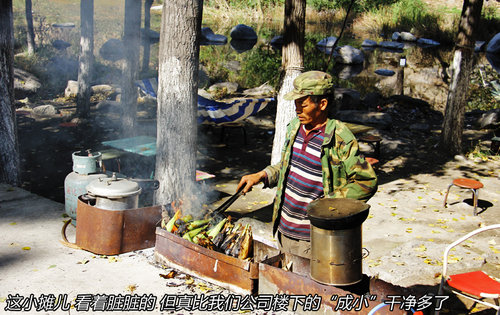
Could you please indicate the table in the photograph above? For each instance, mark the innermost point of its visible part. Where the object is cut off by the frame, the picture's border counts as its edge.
(357, 128)
(146, 146)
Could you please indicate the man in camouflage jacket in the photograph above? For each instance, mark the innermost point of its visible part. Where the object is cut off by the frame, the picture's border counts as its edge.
(345, 173)
(320, 158)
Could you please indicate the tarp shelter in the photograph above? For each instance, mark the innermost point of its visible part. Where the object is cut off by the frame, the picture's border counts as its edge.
(211, 111)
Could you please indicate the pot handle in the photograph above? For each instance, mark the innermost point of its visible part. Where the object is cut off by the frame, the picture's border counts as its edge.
(156, 184)
(64, 240)
(366, 253)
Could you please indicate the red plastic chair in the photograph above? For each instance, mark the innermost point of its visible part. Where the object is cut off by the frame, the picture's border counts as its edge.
(477, 285)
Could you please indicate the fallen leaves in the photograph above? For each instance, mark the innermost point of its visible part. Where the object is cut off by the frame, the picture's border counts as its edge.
(131, 288)
(189, 280)
(374, 263)
(112, 259)
(169, 275)
(421, 248)
(203, 287)
(454, 259)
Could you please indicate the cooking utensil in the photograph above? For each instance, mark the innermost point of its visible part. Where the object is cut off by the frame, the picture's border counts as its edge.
(228, 203)
(114, 193)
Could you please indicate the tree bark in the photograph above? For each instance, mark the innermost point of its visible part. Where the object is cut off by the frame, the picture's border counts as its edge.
(451, 138)
(145, 41)
(86, 60)
(293, 65)
(177, 101)
(131, 40)
(30, 30)
(9, 150)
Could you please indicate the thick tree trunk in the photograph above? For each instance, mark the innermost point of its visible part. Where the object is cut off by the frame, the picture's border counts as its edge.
(145, 41)
(30, 30)
(177, 101)
(131, 40)
(9, 151)
(86, 58)
(451, 138)
(293, 64)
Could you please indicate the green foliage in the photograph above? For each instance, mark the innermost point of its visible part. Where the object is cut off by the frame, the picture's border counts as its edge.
(481, 93)
(490, 22)
(412, 13)
(244, 3)
(490, 13)
(321, 5)
(359, 5)
(480, 151)
(262, 66)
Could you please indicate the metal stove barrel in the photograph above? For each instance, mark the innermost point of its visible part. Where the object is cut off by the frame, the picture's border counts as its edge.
(336, 251)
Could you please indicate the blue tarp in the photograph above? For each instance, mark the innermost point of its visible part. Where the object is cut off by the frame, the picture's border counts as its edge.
(210, 111)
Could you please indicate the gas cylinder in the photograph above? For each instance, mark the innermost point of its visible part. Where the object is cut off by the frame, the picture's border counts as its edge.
(87, 166)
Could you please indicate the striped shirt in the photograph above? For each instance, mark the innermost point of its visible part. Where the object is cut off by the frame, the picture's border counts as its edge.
(304, 183)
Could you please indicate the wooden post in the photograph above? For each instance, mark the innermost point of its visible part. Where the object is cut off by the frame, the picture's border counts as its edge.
(400, 76)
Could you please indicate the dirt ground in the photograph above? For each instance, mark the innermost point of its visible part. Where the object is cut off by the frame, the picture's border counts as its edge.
(405, 233)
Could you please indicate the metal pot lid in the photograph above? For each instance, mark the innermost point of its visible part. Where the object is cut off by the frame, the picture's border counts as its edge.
(113, 187)
(337, 213)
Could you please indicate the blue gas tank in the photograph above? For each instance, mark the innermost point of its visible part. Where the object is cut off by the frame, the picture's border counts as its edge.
(87, 166)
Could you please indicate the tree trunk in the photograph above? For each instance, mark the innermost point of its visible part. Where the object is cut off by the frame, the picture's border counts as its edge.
(30, 30)
(9, 151)
(451, 138)
(131, 40)
(293, 64)
(177, 101)
(145, 40)
(86, 60)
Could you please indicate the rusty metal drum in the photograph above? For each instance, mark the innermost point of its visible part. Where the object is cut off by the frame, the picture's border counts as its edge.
(336, 238)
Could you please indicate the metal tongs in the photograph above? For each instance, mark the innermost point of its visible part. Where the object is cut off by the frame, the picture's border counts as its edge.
(227, 203)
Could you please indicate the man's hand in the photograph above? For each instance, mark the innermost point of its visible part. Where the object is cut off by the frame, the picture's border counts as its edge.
(248, 181)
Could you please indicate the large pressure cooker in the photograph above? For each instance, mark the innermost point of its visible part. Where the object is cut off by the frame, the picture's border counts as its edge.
(336, 250)
(114, 193)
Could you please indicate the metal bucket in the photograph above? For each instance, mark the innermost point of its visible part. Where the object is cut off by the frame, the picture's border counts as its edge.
(336, 252)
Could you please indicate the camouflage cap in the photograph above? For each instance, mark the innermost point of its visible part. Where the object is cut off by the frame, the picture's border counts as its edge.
(310, 83)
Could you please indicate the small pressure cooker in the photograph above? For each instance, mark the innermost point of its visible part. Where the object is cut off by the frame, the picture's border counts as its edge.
(112, 193)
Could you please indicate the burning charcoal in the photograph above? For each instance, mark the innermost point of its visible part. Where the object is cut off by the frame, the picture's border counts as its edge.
(181, 228)
(205, 242)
